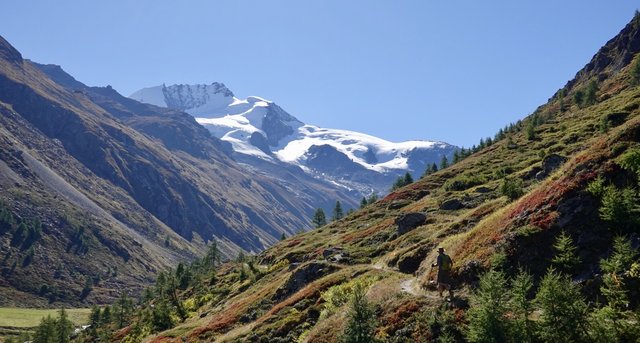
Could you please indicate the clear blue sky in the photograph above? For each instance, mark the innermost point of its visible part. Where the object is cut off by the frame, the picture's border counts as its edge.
(447, 70)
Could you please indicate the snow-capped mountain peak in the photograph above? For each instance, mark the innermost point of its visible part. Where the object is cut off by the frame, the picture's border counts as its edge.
(259, 128)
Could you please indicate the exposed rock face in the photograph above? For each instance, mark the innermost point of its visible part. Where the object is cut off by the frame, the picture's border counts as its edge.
(410, 261)
(451, 205)
(8, 52)
(327, 159)
(260, 142)
(409, 221)
(277, 124)
(549, 164)
(302, 276)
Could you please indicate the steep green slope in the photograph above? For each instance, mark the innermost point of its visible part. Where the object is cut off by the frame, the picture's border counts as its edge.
(296, 290)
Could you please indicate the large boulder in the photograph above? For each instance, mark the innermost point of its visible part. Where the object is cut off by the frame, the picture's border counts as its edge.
(409, 221)
(549, 164)
(451, 205)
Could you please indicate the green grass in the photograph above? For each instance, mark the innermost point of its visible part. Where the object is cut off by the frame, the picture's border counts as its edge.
(30, 317)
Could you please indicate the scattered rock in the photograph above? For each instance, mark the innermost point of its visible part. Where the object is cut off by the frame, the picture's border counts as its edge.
(409, 221)
(336, 255)
(531, 173)
(302, 276)
(451, 205)
(549, 164)
(396, 204)
(483, 190)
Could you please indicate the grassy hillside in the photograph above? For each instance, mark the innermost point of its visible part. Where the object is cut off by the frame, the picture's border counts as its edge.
(500, 209)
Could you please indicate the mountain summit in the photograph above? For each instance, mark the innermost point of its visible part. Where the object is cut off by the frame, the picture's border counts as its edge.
(261, 129)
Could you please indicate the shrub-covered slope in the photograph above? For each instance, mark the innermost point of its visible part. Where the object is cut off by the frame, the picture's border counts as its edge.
(569, 169)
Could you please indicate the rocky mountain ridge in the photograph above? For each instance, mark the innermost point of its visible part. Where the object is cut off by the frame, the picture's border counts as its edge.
(110, 191)
(259, 128)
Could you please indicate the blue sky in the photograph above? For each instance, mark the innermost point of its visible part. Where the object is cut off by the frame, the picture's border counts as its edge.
(446, 70)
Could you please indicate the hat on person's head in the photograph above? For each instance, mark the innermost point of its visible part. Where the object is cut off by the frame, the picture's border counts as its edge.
(441, 249)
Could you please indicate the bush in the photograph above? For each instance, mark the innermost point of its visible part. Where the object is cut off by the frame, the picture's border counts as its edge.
(511, 188)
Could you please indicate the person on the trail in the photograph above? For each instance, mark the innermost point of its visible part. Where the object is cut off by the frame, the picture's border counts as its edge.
(444, 264)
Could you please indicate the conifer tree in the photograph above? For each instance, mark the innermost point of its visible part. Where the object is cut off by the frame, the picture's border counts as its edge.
(590, 96)
(564, 311)
(578, 98)
(434, 167)
(361, 322)
(444, 162)
(615, 322)
(64, 327)
(46, 332)
(531, 131)
(408, 179)
(337, 212)
(456, 156)
(363, 202)
(319, 218)
(372, 198)
(487, 318)
(565, 259)
(521, 307)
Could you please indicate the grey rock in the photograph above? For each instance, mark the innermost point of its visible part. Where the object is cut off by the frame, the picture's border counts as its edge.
(549, 164)
(451, 205)
(409, 221)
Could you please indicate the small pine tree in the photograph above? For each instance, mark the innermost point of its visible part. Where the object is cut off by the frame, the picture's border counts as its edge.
(578, 98)
(434, 167)
(565, 259)
(46, 332)
(531, 131)
(361, 321)
(564, 311)
(487, 318)
(363, 203)
(615, 322)
(590, 96)
(408, 179)
(64, 327)
(561, 94)
(619, 207)
(511, 188)
(283, 236)
(372, 198)
(456, 156)
(319, 218)
(337, 212)
(521, 307)
(444, 162)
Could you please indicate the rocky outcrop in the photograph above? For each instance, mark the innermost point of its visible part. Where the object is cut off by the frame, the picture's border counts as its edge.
(549, 164)
(277, 124)
(259, 141)
(302, 276)
(452, 205)
(409, 221)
